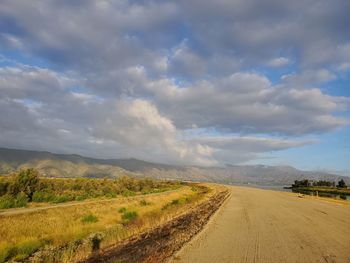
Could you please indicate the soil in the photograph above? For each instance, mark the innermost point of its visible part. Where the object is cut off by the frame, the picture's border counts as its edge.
(257, 225)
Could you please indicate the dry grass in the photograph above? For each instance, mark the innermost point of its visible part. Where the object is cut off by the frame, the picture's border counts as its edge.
(68, 228)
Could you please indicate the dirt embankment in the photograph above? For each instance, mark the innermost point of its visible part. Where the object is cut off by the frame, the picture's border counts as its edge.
(160, 243)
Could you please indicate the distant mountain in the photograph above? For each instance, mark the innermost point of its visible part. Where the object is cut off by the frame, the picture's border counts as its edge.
(64, 165)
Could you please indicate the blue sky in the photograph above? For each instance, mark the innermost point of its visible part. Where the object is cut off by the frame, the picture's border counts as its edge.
(180, 82)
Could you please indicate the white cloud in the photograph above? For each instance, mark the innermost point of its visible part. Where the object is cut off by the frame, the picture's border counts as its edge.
(248, 103)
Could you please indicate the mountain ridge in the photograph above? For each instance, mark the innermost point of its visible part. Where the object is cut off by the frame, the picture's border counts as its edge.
(74, 165)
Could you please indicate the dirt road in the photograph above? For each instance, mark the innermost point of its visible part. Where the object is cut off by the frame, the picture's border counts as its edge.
(257, 225)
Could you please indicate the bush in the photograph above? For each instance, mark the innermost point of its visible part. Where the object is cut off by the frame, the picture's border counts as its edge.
(175, 202)
(62, 199)
(43, 196)
(26, 181)
(122, 210)
(129, 216)
(21, 200)
(82, 197)
(54, 190)
(4, 185)
(8, 201)
(127, 193)
(89, 219)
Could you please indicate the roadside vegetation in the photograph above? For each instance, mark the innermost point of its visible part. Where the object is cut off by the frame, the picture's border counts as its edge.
(71, 233)
(24, 187)
(321, 186)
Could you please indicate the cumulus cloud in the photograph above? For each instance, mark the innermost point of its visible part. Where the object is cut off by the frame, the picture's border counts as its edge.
(66, 117)
(130, 78)
(246, 102)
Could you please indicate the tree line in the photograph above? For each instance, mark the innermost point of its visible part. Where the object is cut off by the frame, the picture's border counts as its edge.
(310, 183)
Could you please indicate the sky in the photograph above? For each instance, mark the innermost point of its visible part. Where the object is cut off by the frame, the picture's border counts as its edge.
(196, 82)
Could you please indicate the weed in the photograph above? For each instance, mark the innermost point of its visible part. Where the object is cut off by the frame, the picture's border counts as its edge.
(6, 252)
(21, 251)
(176, 202)
(143, 202)
(129, 216)
(89, 219)
(122, 210)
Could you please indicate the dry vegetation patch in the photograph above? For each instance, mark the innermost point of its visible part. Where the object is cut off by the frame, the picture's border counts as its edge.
(71, 233)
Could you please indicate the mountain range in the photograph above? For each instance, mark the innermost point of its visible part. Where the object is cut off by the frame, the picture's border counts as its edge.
(72, 165)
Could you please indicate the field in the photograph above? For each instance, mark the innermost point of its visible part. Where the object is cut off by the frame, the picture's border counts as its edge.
(71, 231)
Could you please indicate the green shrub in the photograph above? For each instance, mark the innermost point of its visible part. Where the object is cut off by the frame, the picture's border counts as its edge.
(4, 185)
(122, 210)
(62, 199)
(8, 201)
(26, 181)
(82, 197)
(175, 202)
(89, 219)
(127, 193)
(21, 200)
(129, 216)
(38, 189)
(40, 196)
(110, 195)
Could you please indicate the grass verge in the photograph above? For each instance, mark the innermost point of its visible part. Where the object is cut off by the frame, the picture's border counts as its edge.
(69, 234)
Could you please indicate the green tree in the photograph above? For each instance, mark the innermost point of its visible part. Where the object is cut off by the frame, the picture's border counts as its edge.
(27, 182)
(341, 184)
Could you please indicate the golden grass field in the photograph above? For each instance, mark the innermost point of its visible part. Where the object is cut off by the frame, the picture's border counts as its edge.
(66, 229)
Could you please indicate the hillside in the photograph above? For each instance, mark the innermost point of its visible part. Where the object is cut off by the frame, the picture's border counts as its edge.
(61, 165)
